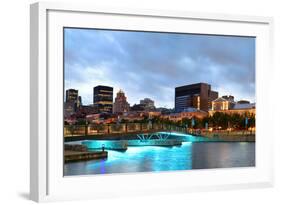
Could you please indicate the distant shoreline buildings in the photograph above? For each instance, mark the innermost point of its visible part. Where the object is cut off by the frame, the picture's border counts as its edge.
(197, 95)
(72, 101)
(103, 98)
(226, 104)
(193, 100)
(120, 104)
(148, 104)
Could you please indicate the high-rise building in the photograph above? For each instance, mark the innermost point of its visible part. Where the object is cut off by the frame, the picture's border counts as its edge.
(197, 96)
(212, 96)
(120, 104)
(71, 95)
(147, 103)
(72, 101)
(103, 98)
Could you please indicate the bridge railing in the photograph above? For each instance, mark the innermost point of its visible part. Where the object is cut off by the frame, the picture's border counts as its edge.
(101, 129)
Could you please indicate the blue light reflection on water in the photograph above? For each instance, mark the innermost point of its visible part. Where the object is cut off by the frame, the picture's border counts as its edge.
(137, 159)
(189, 155)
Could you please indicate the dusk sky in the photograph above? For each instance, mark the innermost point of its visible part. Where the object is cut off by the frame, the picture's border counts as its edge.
(146, 64)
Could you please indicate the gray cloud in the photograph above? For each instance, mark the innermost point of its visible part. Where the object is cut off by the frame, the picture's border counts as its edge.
(146, 64)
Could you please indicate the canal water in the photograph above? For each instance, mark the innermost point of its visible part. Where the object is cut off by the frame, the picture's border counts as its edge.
(190, 155)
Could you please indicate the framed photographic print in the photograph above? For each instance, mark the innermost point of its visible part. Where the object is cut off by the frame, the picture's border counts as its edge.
(147, 101)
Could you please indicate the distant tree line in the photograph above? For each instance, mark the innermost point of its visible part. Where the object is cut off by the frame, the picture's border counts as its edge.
(218, 120)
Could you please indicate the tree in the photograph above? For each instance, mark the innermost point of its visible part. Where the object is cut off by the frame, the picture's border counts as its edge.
(220, 119)
(251, 120)
(200, 123)
(237, 121)
(81, 121)
(186, 122)
(124, 121)
(206, 120)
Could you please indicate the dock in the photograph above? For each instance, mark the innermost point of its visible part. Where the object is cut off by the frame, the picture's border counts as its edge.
(77, 152)
(121, 145)
(73, 156)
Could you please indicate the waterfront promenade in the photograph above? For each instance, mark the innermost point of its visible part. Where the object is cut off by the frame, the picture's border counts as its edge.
(132, 131)
(231, 136)
(122, 131)
(121, 136)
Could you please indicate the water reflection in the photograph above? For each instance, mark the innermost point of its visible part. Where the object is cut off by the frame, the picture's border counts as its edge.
(151, 158)
(222, 155)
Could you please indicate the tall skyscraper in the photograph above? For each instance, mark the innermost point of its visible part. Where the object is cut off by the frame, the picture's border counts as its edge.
(103, 98)
(71, 95)
(120, 104)
(72, 100)
(197, 95)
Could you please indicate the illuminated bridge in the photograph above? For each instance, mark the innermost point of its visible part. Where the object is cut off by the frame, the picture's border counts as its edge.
(140, 131)
(120, 136)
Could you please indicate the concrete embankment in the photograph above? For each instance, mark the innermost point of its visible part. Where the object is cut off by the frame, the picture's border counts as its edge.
(73, 156)
(232, 137)
(74, 153)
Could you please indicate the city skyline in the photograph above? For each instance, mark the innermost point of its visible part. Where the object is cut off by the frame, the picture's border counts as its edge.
(151, 65)
(139, 101)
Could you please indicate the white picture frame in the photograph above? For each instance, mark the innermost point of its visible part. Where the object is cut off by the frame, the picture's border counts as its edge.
(46, 102)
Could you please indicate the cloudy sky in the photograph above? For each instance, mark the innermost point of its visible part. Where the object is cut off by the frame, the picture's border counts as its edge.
(146, 64)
